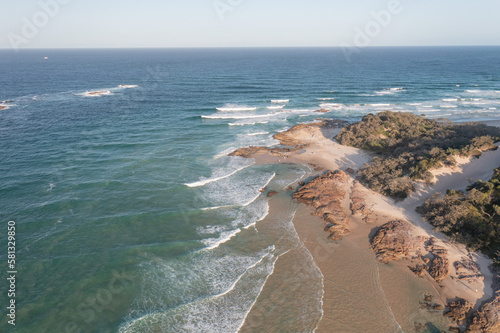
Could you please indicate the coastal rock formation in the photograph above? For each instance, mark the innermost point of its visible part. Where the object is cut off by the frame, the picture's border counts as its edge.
(487, 319)
(248, 152)
(468, 270)
(298, 135)
(438, 267)
(395, 240)
(296, 138)
(458, 309)
(325, 193)
(2, 107)
(358, 204)
(271, 193)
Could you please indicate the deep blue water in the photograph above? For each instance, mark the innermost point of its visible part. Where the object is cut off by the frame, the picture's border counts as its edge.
(110, 194)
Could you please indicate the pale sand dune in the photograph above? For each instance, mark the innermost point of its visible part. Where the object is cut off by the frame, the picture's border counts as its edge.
(322, 152)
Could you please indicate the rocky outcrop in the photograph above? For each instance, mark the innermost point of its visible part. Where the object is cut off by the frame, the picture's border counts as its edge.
(296, 138)
(395, 240)
(271, 193)
(439, 266)
(467, 270)
(248, 152)
(325, 193)
(358, 204)
(487, 319)
(458, 309)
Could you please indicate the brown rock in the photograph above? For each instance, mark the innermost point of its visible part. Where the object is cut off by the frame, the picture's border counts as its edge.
(419, 270)
(358, 205)
(249, 152)
(394, 240)
(325, 193)
(289, 188)
(350, 171)
(439, 266)
(458, 310)
(454, 329)
(468, 270)
(487, 319)
(271, 193)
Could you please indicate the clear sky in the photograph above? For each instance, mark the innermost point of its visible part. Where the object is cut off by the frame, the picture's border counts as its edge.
(243, 23)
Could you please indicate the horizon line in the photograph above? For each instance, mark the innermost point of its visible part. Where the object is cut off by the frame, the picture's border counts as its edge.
(238, 47)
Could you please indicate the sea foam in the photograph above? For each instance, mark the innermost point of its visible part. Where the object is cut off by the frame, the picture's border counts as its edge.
(236, 108)
(214, 179)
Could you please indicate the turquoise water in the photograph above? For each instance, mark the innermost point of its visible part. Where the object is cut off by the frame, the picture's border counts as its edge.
(130, 217)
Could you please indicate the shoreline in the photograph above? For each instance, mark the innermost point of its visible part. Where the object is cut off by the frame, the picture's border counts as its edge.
(313, 145)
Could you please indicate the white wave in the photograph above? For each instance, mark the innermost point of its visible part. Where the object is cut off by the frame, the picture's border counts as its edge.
(258, 294)
(492, 108)
(219, 309)
(244, 124)
(279, 101)
(448, 106)
(239, 117)
(276, 107)
(326, 99)
(474, 91)
(239, 278)
(380, 104)
(258, 133)
(258, 195)
(211, 180)
(301, 110)
(450, 99)
(414, 104)
(331, 106)
(427, 106)
(389, 91)
(96, 93)
(217, 207)
(128, 86)
(225, 236)
(236, 108)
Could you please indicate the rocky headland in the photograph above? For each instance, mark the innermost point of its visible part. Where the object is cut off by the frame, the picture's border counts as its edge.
(395, 231)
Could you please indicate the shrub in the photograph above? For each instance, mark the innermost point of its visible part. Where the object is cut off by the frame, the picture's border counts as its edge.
(409, 146)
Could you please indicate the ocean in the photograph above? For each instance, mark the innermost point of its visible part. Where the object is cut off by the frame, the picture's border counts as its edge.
(130, 216)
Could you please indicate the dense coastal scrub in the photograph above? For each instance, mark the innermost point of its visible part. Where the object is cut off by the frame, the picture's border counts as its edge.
(409, 146)
(472, 218)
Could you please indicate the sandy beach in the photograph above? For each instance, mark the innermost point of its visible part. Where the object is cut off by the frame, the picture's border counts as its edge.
(358, 288)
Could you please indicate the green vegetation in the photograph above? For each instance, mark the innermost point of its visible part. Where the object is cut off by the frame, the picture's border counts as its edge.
(472, 218)
(409, 146)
